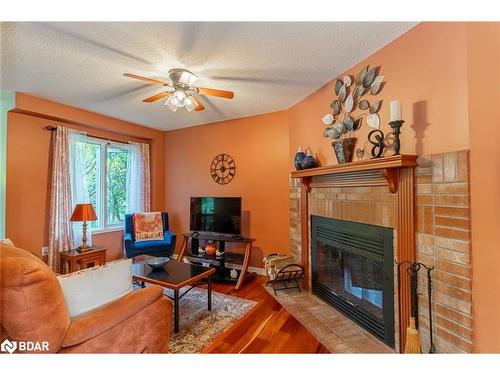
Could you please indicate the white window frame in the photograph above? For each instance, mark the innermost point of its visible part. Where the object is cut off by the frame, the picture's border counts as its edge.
(102, 217)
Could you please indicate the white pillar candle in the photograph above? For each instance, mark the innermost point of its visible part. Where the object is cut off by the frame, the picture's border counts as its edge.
(395, 110)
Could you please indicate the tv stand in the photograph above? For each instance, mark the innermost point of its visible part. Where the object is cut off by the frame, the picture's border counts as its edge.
(219, 262)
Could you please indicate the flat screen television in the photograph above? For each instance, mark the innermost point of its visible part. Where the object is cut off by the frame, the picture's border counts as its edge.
(215, 215)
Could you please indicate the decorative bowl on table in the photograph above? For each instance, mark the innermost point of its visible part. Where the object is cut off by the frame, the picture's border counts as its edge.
(157, 263)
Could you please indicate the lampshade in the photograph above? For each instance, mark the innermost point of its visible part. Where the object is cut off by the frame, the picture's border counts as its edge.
(83, 212)
(190, 103)
(179, 98)
(170, 103)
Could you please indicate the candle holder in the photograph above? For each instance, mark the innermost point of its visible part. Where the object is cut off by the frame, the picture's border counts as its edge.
(396, 131)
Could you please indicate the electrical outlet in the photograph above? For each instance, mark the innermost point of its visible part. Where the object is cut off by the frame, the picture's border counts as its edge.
(45, 250)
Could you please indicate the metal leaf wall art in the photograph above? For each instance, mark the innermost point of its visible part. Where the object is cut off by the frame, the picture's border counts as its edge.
(350, 93)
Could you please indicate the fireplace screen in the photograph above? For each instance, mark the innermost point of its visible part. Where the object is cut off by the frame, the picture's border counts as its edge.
(356, 278)
(352, 270)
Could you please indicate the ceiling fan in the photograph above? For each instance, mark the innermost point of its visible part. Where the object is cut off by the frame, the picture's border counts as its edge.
(180, 92)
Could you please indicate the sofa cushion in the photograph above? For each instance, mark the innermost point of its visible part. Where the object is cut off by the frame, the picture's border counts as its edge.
(91, 288)
(148, 226)
(151, 244)
(98, 321)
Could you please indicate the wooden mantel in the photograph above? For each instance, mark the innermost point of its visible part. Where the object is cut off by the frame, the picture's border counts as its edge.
(372, 172)
(395, 172)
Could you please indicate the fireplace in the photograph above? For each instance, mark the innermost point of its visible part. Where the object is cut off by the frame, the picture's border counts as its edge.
(353, 270)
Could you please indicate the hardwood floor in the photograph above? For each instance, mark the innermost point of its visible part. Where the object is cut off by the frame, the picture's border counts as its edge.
(268, 328)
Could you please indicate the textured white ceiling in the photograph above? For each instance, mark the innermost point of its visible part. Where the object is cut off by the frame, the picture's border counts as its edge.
(269, 66)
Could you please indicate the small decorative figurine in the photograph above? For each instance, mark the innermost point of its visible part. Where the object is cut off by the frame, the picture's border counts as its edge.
(233, 273)
(360, 152)
(378, 143)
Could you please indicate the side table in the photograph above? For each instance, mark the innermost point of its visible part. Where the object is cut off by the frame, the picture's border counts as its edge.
(75, 260)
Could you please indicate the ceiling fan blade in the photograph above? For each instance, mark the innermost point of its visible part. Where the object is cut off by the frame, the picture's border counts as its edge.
(146, 79)
(156, 97)
(214, 92)
(199, 107)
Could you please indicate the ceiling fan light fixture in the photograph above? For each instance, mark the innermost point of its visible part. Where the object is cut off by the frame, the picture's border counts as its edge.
(179, 98)
(188, 78)
(180, 92)
(190, 103)
(170, 103)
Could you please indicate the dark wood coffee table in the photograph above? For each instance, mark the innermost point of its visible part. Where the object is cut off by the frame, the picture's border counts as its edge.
(174, 276)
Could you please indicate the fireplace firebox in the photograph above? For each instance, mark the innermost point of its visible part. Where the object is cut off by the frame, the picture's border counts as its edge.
(352, 270)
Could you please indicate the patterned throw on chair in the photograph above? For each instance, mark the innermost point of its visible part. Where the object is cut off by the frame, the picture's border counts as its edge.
(148, 226)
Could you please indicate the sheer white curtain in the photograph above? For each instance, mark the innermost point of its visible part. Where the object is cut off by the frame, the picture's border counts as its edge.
(138, 178)
(61, 208)
(79, 183)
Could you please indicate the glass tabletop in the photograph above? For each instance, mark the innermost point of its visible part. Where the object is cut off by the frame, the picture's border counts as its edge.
(174, 274)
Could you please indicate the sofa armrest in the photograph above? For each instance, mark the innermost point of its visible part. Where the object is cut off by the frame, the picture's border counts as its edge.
(102, 319)
(127, 237)
(169, 236)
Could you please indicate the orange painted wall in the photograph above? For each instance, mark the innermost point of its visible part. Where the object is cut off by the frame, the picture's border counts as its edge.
(29, 165)
(259, 146)
(484, 114)
(425, 69)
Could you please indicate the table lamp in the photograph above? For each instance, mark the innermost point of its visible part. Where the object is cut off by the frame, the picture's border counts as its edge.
(84, 212)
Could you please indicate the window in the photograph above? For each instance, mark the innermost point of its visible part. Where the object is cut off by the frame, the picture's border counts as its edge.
(116, 185)
(99, 176)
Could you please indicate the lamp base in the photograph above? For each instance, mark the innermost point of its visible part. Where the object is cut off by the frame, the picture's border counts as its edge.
(83, 248)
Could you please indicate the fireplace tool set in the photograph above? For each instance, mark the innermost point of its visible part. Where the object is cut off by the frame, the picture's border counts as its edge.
(412, 337)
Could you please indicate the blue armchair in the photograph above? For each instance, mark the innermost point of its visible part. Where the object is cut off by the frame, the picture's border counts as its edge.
(158, 248)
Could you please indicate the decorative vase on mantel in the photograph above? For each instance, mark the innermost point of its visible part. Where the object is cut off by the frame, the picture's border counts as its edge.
(344, 149)
(309, 161)
(299, 157)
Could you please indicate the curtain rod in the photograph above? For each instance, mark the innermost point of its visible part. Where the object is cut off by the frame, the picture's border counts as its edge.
(71, 122)
(53, 128)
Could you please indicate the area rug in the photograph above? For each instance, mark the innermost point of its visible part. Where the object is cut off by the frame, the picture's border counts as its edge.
(198, 326)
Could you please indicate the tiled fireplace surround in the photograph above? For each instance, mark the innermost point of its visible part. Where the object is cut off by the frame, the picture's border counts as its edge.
(442, 239)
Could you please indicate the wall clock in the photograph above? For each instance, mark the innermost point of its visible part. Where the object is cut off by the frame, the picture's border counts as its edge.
(223, 169)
